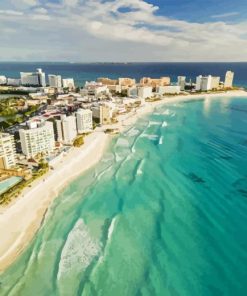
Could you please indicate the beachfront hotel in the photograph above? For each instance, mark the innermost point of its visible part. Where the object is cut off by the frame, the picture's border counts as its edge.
(147, 81)
(181, 82)
(84, 120)
(169, 89)
(55, 80)
(66, 129)
(37, 138)
(7, 151)
(229, 79)
(102, 114)
(35, 78)
(145, 92)
(68, 83)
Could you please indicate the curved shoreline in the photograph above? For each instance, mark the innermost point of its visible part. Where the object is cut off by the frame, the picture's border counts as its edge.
(23, 217)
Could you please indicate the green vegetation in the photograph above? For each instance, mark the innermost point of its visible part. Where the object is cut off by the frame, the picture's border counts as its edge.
(79, 141)
(15, 110)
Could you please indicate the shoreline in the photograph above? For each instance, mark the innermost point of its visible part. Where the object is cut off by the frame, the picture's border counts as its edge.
(24, 216)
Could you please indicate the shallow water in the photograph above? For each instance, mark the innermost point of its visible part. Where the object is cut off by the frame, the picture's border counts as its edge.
(163, 213)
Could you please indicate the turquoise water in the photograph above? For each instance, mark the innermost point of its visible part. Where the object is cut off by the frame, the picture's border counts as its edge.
(8, 183)
(163, 213)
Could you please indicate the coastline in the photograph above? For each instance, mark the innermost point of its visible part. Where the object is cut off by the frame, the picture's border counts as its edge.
(23, 217)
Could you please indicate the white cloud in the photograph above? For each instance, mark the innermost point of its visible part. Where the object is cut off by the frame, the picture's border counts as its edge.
(136, 34)
(11, 12)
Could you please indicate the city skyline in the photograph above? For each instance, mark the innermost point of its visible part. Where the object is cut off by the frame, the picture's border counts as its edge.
(123, 31)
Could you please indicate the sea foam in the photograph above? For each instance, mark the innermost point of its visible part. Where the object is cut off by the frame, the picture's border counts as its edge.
(78, 251)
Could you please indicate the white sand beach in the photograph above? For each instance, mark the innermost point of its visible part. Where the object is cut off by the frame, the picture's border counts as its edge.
(20, 220)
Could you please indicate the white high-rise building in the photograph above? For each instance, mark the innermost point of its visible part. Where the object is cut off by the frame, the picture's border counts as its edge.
(145, 92)
(203, 83)
(55, 80)
(69, 83)
(66, 129)
(3, 80)
(38, 138)
(182, 82)
(84, 119)
(229, 79)
(7, 151)
(33, 78)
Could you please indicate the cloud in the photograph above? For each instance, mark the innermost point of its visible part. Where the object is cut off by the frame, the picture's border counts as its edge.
(125, 30)
(11, 12)
(223, 15)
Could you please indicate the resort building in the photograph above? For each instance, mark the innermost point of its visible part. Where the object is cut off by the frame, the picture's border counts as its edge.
(102, 114)
(37, 138)
(147, 81)
(7, 151)
(128, 82)
(66, 129)
(3, 80)
(69, 83)
(13, 81)
(96, 88)
(182, 82)
(34, 79)
(107, 81)
(170, 89)
(55, 81)
(215, 83)
(84, 120)
(145, 92)
(203, 83)
(229, 79)
(132, 91)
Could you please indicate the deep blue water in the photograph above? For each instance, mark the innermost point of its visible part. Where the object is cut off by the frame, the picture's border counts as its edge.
(84, 72)
(163, 213)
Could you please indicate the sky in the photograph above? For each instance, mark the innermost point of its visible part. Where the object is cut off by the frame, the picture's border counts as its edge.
(123, 30)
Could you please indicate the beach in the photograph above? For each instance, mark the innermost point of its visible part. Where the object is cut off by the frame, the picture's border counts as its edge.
(20, 220)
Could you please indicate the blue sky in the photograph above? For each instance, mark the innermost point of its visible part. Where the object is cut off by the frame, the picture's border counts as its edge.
(123, 30)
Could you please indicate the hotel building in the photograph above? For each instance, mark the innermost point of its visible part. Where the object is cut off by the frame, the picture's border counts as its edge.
(38, 138)
(203, 83)
(229, 79)
(7, 151)
(35, 78)
(182, 82)
(170, 89)
(145, 92)
(55, 81)
(84, 120)
(66, 129)
(69, 83)
(3, 80)
(102, 114)
(147, 81)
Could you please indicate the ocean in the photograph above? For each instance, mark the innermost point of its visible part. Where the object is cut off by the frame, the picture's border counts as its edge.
(83, 72)
(163, 213)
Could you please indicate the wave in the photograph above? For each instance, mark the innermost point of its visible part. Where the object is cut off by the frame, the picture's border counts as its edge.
(161, 140)
(122, 143)
(111, 228)
(153, 123)
(133, 132)
(78, 251)
(164, 124)
(166, 112)
(150, 137)
(139, 170)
